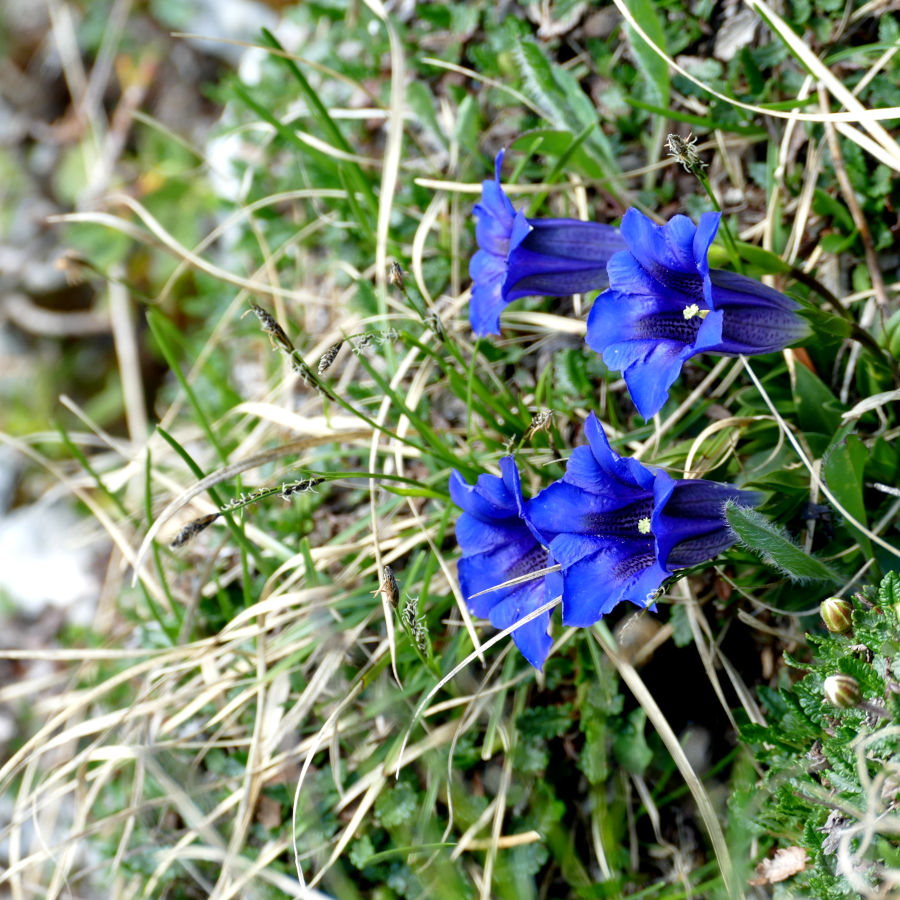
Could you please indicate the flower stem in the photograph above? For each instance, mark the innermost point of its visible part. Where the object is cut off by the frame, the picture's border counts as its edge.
(725, 230)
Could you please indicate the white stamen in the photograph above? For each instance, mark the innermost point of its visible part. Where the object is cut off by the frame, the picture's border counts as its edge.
(644, 525)
(690, 311)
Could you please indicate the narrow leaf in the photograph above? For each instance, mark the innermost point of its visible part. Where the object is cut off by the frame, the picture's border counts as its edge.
(654, 68)
(775, 547)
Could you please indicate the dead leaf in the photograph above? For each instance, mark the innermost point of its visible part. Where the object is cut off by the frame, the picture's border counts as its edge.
(786, 862)
(269, 812)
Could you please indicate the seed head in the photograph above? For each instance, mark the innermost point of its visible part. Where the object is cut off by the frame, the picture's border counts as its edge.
(303, 486)
(395, 274)
(389, 586)
(192, 529)
(683, 150)
(328, 357)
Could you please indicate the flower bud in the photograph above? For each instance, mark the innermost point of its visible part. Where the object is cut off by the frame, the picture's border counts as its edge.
(842, 691)
(836, 613)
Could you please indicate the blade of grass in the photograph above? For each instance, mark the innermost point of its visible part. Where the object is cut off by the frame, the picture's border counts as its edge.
(326, 123)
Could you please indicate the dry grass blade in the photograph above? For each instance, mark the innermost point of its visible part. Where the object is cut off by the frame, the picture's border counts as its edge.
(707, 813)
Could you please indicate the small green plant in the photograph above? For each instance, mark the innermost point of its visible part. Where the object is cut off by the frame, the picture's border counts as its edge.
(831, 754)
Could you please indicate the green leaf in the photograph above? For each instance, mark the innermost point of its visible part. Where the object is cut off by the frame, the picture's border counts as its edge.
(838, 243)
(762, 258)
(682, 633)
(845, 462)
(563, 103)
(889, 590)
(775, 547)
(422, 103)
(630, 745)
(654, 68)
(545, 721)
(468, 123)
(818, 410)
(826, 205)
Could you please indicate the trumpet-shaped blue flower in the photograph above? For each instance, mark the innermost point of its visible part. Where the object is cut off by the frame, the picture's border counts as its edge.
(618, 529)
(665, 305)
(498, 545)
(519, 257)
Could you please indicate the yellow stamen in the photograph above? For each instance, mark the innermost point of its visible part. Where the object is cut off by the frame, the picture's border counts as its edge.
(694, 310)
(644, 525)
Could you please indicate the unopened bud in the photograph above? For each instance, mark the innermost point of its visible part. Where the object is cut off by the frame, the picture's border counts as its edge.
(836, 614)
(842, 691)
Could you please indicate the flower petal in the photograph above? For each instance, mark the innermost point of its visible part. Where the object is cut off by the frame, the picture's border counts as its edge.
(498, 546)
(520, 257)
(690, 525)
(674, 254)
(532, 639)
(758, 319)
(597, 583)
(488, 499)
(650, 378)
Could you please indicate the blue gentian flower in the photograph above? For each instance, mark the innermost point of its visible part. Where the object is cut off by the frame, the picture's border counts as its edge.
(665, 305)
(498, 545)
(619, 529)
(519, 257)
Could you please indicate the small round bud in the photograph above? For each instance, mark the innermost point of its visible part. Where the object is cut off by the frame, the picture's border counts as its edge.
(836, 614)
(842, 691)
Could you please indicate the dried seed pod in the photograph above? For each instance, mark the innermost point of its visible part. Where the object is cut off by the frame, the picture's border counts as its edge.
(303, 486)
(539, 422)
(433, 321)
(389, 586)
(818, 762)
(328, 357)
(74, 266)
(192, 529)
(683, 150)
(395, 274)
(842, 691)
(836, 614)
(278, 339)
(415, 625)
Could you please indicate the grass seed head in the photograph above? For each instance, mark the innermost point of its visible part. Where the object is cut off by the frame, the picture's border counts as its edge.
(192, 529)
(328, 357)
(683, 150)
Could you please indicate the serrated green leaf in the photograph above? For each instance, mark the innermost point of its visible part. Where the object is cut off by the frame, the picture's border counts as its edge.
(396, 804)
(775, 547)
(545, 721)
(682, 633)
(594, 757)
(889, 590)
